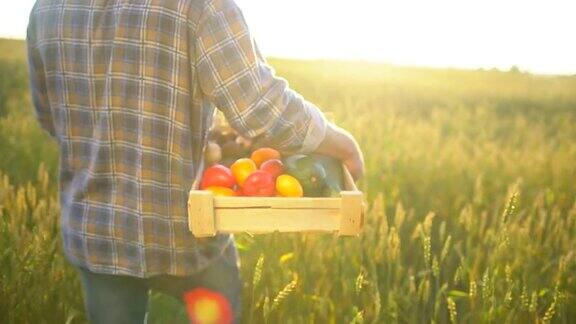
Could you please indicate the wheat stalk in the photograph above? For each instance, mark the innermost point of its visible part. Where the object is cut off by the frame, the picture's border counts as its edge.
(452, 310)
(258, 271)
(358, 318)
(284, 293)
(255, 281)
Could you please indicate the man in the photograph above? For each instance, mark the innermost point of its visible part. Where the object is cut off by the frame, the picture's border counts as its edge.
(128, 89)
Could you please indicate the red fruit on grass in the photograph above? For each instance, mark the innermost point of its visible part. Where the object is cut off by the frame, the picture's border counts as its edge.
(260, 184)
(275, 167)
(217, 176)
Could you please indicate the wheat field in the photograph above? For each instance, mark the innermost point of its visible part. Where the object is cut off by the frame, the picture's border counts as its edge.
(470, 187)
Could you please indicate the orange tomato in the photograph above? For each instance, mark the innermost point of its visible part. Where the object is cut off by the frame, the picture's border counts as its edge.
(221, 191)
(264, 154)
(288, 186)
(241, 169)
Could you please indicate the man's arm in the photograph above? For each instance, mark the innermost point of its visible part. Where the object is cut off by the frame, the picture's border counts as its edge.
(341, 145)
(256, 103)
(38, 81)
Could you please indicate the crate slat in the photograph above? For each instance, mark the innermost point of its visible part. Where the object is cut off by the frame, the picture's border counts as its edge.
(276, 202)
(258, 220)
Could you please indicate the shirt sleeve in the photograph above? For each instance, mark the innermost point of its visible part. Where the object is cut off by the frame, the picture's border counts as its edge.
(233, 75)
(38, 82)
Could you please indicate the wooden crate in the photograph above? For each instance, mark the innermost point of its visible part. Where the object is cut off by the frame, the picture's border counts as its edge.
(209, 215)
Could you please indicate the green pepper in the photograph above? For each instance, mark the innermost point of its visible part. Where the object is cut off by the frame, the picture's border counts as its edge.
(309, 172)
(334, 175)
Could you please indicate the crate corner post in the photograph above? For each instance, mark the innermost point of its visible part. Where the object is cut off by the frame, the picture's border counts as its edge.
(201, 213)
(352, 213)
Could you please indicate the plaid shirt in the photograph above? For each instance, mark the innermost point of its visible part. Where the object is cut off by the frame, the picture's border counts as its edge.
(128, 88)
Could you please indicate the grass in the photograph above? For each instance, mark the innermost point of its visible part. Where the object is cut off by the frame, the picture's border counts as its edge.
(470, 186)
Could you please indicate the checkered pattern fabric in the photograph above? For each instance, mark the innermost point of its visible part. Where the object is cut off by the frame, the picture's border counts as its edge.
(129, 88)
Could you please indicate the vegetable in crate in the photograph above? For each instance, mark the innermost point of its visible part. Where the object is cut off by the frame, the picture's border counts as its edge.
(264, 154)
(241, 169)
(275, 167)
(260, 184)
(288, 186)
(217, 176)
(233, 150)
(221, 191)
(320, 175)
(334, 175)
(213, 153)
(309, 172)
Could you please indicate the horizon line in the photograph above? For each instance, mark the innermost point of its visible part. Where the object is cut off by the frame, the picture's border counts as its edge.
(392, 64)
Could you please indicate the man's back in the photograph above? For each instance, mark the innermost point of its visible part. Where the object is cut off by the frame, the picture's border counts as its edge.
(118, 79)
(128, 89)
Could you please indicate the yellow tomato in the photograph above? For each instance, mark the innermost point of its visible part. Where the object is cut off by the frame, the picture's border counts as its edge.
(288, 186)
(242, 168)
(221, 191)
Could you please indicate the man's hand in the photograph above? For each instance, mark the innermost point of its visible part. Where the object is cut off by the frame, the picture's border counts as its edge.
(341, 145)
(356, 166)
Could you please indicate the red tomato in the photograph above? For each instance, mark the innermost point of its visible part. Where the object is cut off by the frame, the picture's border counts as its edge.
(259, 183)
(217, 176)
(275, 167)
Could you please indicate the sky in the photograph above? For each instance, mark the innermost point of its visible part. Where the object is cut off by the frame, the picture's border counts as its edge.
(538, 36)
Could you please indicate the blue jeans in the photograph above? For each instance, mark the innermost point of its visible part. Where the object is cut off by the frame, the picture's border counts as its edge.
(112, 299)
